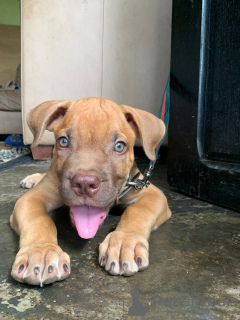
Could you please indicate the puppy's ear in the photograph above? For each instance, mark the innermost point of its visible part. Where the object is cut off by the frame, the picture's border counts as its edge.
(148, 128)
(45, 117)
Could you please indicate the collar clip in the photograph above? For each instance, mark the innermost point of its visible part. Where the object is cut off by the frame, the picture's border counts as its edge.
(137, 183)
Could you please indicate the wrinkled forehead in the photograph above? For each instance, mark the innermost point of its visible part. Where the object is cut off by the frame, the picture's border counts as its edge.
(96, 122)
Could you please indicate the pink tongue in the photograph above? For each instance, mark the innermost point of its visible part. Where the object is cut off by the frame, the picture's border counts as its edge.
(87, 220)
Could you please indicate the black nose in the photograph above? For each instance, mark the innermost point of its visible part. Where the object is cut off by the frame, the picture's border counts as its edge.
(85, 184)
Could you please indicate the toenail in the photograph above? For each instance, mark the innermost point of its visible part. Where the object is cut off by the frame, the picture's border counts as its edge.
(36, 270)
(125, 266)
(20, 269)
(112, 266)
(65, 267)
(139, 261)
(50, 269)
(102, 260)
(32, 185)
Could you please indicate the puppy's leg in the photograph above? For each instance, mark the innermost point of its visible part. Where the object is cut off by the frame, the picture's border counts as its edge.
(125, 250)
(39, 260)
(32, 180)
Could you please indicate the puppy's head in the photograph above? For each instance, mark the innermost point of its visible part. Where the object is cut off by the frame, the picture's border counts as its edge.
(93, 154)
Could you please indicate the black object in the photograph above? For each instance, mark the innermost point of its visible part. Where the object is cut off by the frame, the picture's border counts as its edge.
(204, 128)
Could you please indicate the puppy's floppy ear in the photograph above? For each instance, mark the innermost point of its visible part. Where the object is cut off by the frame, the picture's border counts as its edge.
(148, 128)
(45, 116)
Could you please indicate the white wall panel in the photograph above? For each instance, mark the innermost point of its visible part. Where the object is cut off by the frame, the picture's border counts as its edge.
(61, 52)
(136, 51)
(117, 49)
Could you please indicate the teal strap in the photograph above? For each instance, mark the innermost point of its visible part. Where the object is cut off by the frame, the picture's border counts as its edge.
(163, 114)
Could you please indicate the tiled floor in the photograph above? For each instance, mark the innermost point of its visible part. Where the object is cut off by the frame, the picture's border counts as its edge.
(194, 270)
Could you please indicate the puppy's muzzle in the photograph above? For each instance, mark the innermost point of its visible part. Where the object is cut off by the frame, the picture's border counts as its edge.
(87, 216)
(85, 184)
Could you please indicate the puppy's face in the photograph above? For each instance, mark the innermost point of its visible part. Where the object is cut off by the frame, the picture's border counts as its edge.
(94, 141)
(93, 154)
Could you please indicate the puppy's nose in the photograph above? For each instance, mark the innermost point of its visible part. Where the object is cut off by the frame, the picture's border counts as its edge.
(85, 184)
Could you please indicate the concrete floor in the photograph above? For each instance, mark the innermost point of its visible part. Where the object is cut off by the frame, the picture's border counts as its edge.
(194, 270)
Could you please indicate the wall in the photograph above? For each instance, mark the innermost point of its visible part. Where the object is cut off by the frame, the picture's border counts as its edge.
(10, 12)
(116, 49)
(136, 52)
(10, 39)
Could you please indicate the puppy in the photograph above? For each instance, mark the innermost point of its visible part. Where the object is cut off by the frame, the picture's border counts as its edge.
(93, 159)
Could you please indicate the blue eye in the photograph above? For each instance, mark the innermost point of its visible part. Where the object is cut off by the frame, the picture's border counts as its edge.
(119, 147)
(63, 142)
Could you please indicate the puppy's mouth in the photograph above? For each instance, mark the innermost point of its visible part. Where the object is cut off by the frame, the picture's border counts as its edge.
(87, 219)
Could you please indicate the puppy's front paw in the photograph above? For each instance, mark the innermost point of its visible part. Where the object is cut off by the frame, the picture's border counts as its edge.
(31, 180)
(123, 253)
(41, 264)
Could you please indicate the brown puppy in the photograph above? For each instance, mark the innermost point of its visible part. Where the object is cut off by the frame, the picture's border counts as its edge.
(92, 160)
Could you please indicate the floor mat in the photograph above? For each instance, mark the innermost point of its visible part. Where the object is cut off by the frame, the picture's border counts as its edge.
(12, 157)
